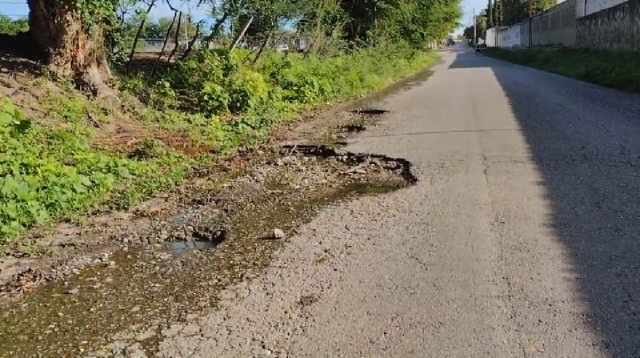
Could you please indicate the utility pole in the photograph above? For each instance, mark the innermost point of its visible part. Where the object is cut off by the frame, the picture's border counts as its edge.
(475, 35)
(186, 28)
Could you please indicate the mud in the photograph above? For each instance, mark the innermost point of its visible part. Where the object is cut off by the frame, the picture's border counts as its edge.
(187, 259)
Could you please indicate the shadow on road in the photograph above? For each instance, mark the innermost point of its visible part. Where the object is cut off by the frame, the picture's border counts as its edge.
(585, 141)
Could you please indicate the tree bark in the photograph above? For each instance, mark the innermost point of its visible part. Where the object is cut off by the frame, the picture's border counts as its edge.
(176, 39)
(192, 42)
(138, 33)
(164, 45)
(69, 47)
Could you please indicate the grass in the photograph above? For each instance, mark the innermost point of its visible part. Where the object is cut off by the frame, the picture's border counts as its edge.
(54, 167)
(615, 69)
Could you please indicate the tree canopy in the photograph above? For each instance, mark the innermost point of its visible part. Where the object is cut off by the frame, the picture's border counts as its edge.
(79, 36)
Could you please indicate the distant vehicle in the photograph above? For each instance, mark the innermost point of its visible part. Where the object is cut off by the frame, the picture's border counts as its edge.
(450, 42)
(282, 48)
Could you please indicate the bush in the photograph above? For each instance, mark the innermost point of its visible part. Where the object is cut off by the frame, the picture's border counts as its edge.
(247, 90)
(220, 84)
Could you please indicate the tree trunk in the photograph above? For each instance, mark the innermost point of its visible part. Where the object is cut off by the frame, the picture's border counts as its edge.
(69, 46)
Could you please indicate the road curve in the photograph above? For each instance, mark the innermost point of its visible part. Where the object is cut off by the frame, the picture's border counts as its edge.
(521, 238)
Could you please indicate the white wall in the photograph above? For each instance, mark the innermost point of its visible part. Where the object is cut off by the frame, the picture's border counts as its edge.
(510, 37)
(491, 37)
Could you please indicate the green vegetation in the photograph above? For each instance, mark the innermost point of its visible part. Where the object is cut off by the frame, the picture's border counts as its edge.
(619, 70)
(9, 26)
(49, 173)
(53, 172)
(66, 158)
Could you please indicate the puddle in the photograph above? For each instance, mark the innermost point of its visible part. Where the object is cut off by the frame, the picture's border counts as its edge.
(181, 247)
(161, 283)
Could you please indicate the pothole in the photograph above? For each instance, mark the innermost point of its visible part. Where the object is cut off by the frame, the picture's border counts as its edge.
(197, 240)
(179, 265)
(369, 111)
(352, 128)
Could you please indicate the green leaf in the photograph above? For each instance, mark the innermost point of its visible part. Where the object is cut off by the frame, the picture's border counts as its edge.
(124, 172)
(5, 118)
(85, 181)
(23, 126)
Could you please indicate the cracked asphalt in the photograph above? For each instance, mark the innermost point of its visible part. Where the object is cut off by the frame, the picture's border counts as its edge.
(520, 239)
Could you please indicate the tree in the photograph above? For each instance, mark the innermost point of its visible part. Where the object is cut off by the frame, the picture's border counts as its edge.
(489, 12)
(510, 12)
(480, 31)
(70, 36)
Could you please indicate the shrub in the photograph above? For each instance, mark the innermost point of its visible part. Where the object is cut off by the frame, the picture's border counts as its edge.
(213, 98)
(247, 90)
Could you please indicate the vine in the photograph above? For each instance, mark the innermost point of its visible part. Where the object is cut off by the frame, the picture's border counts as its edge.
(99, 17)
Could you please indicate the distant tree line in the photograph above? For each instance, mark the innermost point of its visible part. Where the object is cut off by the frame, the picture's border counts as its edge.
(78, 38)
(11, 26)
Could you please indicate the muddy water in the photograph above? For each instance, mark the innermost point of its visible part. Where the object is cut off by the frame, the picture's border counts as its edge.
(143, 290)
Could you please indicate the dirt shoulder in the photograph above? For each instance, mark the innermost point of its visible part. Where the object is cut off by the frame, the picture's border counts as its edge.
(53, 252)
(171, 255)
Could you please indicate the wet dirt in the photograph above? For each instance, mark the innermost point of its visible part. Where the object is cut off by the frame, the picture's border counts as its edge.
(193, 255)
(325, 126)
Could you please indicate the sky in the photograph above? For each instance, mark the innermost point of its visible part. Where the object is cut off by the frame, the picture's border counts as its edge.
(18, 8)
(467, 8)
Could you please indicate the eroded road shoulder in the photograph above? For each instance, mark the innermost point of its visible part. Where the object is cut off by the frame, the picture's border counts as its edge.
(135, 279)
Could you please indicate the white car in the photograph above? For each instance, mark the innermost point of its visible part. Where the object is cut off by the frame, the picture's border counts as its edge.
(282, 48)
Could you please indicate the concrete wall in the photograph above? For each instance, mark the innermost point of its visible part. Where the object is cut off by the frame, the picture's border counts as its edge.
(556, 26)
(490, 37)
(511, 36)
(615, 28)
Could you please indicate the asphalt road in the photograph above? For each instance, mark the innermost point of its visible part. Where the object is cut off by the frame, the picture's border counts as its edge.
(521, 238)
